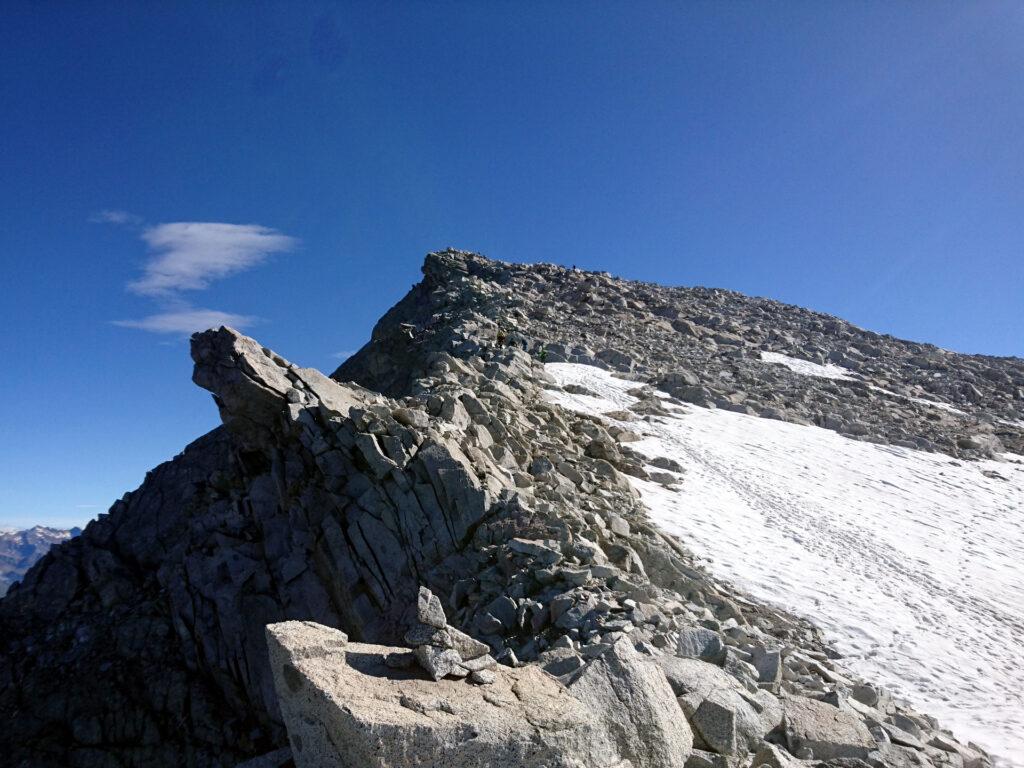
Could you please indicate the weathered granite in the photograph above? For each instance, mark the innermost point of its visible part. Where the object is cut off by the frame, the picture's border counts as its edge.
(348, 709)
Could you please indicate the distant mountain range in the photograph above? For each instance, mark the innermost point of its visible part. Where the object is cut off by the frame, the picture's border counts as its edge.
(19, 550)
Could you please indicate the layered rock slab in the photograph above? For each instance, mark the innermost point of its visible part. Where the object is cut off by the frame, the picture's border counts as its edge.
(344, 707)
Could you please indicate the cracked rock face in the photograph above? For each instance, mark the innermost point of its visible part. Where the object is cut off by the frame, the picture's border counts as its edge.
(431, 459)
(313, 502)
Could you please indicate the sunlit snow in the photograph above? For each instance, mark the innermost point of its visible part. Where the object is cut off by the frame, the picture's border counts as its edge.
(837, 372)
(807, 368)
(923, 401)
(936, 404)
(909, 561)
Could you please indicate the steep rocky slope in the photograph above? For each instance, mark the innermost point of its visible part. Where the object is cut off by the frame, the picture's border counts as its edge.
(141, 642)
(704, 346)
(19, 550)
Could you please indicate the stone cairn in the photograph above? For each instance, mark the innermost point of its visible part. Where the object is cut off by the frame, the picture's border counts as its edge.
(443, 650)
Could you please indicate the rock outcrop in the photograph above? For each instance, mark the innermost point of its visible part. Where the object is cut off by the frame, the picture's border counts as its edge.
(431, 459)
(346, 707)
(313, 502)
(635, 705)
(704, 346)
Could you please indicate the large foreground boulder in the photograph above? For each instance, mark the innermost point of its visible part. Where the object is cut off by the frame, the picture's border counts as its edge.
(345, 707)
(725, 717)
(630, 694)
(826, 731)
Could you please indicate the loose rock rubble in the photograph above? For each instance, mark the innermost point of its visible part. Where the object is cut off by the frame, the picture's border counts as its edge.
(706, 347)
(441, 500)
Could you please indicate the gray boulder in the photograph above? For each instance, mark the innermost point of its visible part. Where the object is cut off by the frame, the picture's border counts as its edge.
(630, 695)
(439, 662)
(726, 718)
(827, 731)
(345, 708)
(700, 643)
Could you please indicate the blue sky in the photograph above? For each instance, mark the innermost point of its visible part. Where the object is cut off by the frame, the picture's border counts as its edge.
(288, 165)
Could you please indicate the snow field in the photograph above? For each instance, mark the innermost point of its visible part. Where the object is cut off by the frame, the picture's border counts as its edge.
(910, 562)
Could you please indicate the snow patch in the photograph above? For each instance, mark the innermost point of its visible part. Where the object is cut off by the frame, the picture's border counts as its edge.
(937, 404)
(807, 368)
(909, 561)
(923, 401)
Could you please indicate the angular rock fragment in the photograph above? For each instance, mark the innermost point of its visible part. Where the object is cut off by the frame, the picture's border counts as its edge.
(715, 721)
(424, 634)
(439, 662)
(429, 610)
(635, 703)
(700, 643)
(726, 718)
(829, 733)
(772, 756)
(467, 647)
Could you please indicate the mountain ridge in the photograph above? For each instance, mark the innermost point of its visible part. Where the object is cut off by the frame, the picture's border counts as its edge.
(141, 642)
(696, 316)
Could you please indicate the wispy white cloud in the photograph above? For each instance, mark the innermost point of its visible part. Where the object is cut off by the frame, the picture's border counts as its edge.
(344, 354)
(189, 255)
(115, 217)
(187, 320)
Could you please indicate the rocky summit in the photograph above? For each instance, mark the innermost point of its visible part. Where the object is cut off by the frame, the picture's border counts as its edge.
(422, 561)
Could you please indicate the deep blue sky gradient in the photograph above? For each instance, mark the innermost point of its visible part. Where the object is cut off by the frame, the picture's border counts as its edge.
(859, 158)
